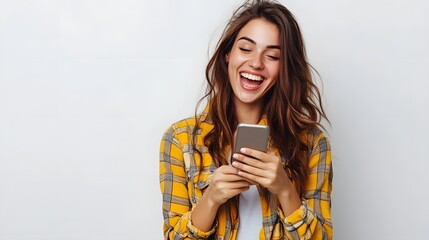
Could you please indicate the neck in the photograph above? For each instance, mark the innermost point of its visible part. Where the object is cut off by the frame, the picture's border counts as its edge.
(248, 113)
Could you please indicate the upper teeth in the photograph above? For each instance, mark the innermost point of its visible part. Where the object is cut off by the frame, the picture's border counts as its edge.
(252, 77)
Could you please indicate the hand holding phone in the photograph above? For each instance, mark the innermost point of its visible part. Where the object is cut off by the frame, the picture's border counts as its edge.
(251, 136)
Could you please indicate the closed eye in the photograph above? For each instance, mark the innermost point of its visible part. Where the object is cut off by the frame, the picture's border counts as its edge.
(273, 57)
(244, 49)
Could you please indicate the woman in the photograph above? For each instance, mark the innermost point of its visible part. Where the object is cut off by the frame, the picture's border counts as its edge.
(258, 74)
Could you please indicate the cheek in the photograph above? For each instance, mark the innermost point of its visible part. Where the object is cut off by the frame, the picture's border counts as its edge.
(233, 65)
(230, 70)
(274, 71)
(236, 59)
(231, 76)
(272, 83)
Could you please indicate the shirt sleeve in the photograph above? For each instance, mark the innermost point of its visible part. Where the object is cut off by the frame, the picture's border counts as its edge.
(313, 219)
(176, 206)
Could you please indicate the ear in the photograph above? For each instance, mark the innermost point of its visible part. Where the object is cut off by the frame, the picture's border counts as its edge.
(227, 57)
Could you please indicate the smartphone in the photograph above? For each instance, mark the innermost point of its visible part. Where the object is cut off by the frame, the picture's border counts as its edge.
(251, 136)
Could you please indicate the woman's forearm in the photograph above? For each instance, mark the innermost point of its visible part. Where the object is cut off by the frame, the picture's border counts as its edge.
(289, 201)
(204, 213)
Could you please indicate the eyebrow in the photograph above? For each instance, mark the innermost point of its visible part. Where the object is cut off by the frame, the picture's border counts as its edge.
(252, 41)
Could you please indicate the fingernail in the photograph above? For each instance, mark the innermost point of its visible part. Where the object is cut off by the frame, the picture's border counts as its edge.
(243, 150)
(235, 155)
(235, 164)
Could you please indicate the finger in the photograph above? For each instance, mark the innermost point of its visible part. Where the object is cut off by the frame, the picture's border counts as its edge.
(227, 169)
(250, 181)
(236, 184)
(249, 161)
(237, 191)
(234, 178)
(251, 177)
(230, 177)
(255, 154)
(269, 156)
(249, 169)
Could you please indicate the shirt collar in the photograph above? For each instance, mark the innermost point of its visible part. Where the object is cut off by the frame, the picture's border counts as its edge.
(263, 120)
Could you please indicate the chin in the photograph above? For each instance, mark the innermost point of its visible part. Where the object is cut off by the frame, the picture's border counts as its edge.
(249, 100)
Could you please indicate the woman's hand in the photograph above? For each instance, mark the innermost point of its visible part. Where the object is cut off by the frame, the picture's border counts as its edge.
(263, 168)
(225, 184)
(267, 170)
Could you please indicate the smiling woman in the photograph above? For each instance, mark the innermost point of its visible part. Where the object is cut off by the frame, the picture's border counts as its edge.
(253, 63)
(259, 75)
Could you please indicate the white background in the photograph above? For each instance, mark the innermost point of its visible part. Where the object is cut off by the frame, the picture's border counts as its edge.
(87, 88)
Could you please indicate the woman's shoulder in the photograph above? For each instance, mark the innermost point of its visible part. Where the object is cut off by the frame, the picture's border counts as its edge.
(192, 121)
(315, 136)
(316, 131)
(186, 126)
(182, 125)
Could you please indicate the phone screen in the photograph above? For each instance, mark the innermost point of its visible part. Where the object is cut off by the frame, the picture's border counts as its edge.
(251, 136)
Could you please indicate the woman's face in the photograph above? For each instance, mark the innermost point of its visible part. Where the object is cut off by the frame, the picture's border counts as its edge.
(254, 61)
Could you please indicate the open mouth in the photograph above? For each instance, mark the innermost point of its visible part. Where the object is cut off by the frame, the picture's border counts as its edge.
(251, 82)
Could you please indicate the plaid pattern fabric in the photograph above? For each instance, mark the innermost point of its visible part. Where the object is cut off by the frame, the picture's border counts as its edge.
(184, 175)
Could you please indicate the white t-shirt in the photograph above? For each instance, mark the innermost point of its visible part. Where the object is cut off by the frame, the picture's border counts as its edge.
(250, 213)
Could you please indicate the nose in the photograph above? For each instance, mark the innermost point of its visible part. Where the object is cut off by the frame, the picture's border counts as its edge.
(256, 61)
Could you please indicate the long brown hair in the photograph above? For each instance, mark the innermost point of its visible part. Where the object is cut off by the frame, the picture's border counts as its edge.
(292, 106)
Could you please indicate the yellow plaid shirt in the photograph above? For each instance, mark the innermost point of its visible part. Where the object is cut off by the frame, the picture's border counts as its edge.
(185, 174)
